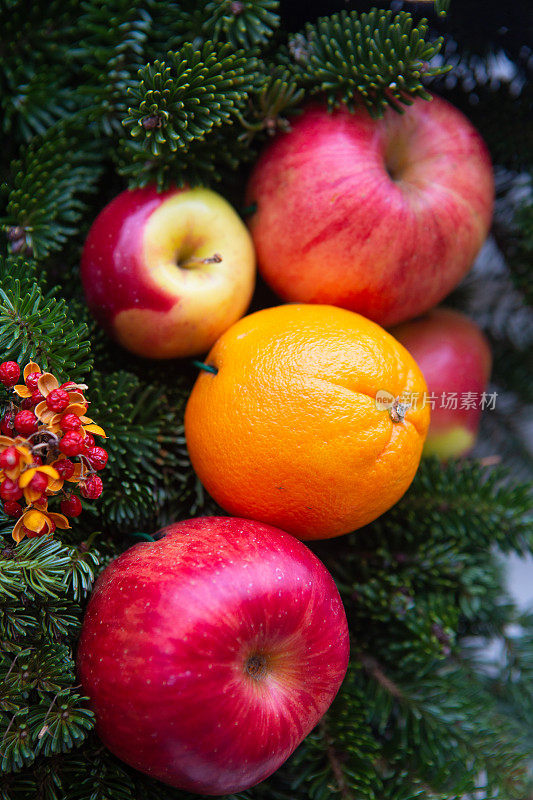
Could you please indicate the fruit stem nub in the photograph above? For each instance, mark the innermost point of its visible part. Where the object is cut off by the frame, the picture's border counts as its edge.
(398, 410)
(206, 367)
(256, 666)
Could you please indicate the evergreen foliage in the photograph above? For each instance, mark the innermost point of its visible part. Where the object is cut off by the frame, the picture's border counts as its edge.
(182, 102)
(378, 59)
(95, 93)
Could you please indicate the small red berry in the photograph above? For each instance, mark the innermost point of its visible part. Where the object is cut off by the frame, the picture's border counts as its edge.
(57, 400)
(41, 501)
(65, 468)
(71, 506)
(39, 482)
(7, 425)
(36, 397)
(68, 386)
(36, 461)
(9, 458)
(31, 380)
(72, 443)
(70, 422)
(10, 490)
(12, 509)
(92, 487)
(25, 422)
(97, 457)
(89, 441)
(9, 373)
(33, 534)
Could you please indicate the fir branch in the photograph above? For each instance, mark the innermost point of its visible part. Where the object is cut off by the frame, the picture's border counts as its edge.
(375, 59)
(34, 54)
(270, 107)
(145, 444)
(36, 565)
(178, 107)
(242, 23)
(35, 325)
(110, 52)
(48, 189)
(61, 725)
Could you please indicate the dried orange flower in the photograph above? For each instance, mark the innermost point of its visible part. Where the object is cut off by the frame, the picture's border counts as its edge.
(41, 435)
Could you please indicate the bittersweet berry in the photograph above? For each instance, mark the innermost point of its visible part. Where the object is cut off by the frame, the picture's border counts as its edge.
(97, 457)
(72, 443)
(57, 400)
(89, 441)
(70, 422)
(92, 487)
(7, 425)
(65, 468)
(36, 397)
(71, 506)
(39, 482)
(10, 490)
(31, 381)
(25, 422)
(9, 458)
(12, 509)
(30, 402)
(9, 373)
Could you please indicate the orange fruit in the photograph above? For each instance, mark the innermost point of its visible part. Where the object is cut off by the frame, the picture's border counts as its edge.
(289, 432)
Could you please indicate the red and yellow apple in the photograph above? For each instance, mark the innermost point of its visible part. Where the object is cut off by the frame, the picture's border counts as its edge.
(210, 654)
(166, 274)
(456, 360)
(379, 216)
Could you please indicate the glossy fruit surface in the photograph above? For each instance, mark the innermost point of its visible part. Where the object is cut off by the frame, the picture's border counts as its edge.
(380, 216)
(167, 273)
(288, 431)
(455, 357)
(211, 653)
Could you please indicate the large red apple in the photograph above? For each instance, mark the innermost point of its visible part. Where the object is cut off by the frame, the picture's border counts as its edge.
(455, 358)
(166, 274)
(380, 216)
(209, 655)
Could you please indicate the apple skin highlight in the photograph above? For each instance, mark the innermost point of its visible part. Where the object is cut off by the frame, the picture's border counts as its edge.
(382, 217)
(210, 654)
(166, 274)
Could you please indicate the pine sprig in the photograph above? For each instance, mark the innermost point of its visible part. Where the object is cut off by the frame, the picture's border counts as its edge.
(179, 104)
(377, 59)
(145, 443)
(109, 54)
(242, 23)
(49, 188)
(36, 325)
(270, 108)
(34, 53)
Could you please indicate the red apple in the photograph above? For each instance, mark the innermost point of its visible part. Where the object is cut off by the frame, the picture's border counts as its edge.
(380, 216)
(455, 358)
(209, 655)
(166, 274)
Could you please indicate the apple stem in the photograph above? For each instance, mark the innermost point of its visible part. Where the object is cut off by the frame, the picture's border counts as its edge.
(205, 367)
(216, 258)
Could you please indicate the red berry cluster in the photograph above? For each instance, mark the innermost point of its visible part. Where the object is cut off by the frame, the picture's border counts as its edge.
(40, 436)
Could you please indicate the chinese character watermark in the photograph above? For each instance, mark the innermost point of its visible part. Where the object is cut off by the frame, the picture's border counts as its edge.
(452, 401)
